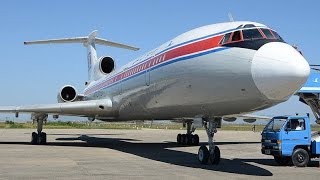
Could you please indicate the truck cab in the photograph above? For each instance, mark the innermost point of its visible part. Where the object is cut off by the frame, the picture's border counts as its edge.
(288, 139)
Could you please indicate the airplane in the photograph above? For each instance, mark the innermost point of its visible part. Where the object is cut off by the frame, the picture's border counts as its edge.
(215, 72)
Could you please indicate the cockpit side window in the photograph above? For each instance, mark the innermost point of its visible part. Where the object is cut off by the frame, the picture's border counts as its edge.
(277, 36)
(267, 33)
(225, 39)
(250, 34)
(236, 36)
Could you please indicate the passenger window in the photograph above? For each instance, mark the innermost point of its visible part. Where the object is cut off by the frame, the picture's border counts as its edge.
(225, 39)
(236, 36)
(250, 34)
(277, 36)
(267, 33)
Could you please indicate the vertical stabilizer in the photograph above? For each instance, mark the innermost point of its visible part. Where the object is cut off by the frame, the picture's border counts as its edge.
(91, 55)
(90, 43)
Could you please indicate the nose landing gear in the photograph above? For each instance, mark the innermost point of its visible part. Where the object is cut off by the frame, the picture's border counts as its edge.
(213, 153)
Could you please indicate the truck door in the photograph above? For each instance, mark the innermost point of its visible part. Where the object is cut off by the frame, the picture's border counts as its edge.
(295, 133)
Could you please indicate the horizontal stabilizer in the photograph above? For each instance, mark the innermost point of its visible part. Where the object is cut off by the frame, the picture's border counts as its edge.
(85, 40)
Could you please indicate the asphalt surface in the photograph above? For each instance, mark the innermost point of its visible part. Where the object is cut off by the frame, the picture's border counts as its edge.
(136, 154)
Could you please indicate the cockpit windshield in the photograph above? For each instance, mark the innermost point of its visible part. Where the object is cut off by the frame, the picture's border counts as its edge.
(251, 34)
(277, 36)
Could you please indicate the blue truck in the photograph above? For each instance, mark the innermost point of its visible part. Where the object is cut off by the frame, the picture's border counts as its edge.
(290, 141)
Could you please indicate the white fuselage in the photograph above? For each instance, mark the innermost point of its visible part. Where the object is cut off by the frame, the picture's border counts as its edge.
(195, 75)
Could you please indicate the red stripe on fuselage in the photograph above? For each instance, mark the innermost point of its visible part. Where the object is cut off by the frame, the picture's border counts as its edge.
(191, 48)
(194, 47)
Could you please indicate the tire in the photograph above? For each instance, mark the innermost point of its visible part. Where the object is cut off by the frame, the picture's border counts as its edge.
(183, 139)
(203, 154)
(188, 140)
(196, 140)
(179, 138)
(283, 161)
(34, 138)
(300, 158)
(192, 140)
(43, 138)
(215, 156)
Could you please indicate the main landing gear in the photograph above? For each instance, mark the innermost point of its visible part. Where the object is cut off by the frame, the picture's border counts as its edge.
(205, 155)
(188, 138)
(39, 137)
(213, 153)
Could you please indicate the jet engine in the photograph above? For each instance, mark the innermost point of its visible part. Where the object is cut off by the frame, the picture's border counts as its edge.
(67, 94)
(106, 64)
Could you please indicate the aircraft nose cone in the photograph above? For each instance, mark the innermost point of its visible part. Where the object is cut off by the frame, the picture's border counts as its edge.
(279, 70)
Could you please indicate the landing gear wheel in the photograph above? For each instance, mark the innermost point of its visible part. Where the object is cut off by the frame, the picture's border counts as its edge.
(179, 139)
(183, 139)
(38, 138)
(34, 138)
(203, 154)
(195, 140)
(215, 155)
(188, 140)
(300, 158)
(43, 138)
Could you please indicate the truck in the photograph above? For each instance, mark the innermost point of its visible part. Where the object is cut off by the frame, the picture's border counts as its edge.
(290, 141)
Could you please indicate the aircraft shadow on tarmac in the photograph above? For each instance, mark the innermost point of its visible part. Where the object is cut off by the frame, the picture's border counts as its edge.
(163, 152)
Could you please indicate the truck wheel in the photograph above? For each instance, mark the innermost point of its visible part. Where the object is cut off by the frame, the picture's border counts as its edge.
(283, 161)
(300, 158)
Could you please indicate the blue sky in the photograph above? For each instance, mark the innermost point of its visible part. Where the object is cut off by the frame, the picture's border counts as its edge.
(34, 74)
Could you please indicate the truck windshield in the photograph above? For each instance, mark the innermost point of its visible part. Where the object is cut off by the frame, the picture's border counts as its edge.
(275, 124)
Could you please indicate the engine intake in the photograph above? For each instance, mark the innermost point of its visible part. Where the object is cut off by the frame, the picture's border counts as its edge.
(67, 94)
(107, 64)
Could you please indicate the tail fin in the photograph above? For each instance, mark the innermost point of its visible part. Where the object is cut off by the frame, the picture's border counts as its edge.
(90, 41)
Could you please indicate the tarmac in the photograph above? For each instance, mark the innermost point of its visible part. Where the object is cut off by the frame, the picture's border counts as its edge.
(137, 154)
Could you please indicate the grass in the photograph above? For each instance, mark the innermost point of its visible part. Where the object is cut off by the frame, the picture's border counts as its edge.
(127, 125)
(116, 125)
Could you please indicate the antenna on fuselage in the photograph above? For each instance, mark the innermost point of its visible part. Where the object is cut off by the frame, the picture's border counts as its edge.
(231, 19)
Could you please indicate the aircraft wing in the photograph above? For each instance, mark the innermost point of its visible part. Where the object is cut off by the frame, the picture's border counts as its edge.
(78, 108)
